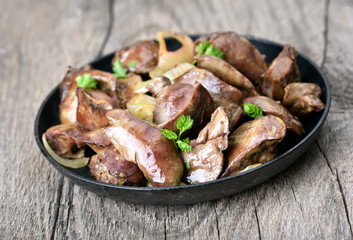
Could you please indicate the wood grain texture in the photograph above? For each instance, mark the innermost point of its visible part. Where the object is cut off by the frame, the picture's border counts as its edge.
(312, 199)
(335, 141)
(38, 41)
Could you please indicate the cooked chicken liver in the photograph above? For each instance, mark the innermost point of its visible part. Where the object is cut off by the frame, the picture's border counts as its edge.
(182, 99)
(143, 144)
(227, 73)
(254, 141)
(270, 106)
(282, 71)
(240, 53)
(223, 94)
(303, 98)
(144, 53)
(112, 167)
(206, 158)
(64, 140)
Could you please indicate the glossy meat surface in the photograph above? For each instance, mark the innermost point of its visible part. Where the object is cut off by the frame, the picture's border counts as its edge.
(254, 141)
(303, 98)
(68, 99)
(270, 106)
(282, 71)
(206, 162)
(218, 127)
(227, 73)
(111, 167)
(240, 53)
(139, 142)
(64, 140)
(145, 53)
(206, 158)
(92, 106)
(126, 87)
(157, 86)
(182, 99)
(106, 81)
(96, 139)
(219, 90)
(223, 94)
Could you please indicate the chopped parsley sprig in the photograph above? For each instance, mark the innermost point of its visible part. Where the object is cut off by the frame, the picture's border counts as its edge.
(86, 81)
(119, 70)
(132, 64)
(187, 166)
(207, 49)
(183, 124)
(252, 110)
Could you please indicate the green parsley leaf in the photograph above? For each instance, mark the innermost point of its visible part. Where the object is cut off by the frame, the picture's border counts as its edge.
(184, 146)
(208, 49)
(86, 81)
(187, 166)
(214, 51)
(184, 124)
(201, 48)
(186, 140)
(169, 134)
(132, 64)
(119, 70)
(252, 110)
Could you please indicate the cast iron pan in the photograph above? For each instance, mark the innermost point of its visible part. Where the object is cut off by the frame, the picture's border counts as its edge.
(290, 150)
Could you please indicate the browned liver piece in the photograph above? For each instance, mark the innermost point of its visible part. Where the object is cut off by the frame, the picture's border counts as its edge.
(91, 107)
(144, 53)
(182, 99)
(111, 167)
(240, 53)
(282, 71)
(143, 144)
(270, 106)
(303, 98)
(223, 94)
(68, 98)
(254, 141)
(206, 158)
(63, 139)
(227, 73)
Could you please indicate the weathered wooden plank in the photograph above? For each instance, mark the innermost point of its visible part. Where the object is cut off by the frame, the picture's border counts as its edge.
(38, 40)
(335, 140)
(314, 202)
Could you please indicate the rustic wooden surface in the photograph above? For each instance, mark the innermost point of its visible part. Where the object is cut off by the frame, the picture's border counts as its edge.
(312, 199)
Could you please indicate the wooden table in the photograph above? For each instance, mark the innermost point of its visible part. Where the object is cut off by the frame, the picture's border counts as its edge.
(312, 199)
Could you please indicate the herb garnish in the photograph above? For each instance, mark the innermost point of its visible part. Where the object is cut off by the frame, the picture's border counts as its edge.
(132, 64)
(187, 166)
(208, 49)
(86, 81)
(252, 110)
(119, 70)
(183, 124)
